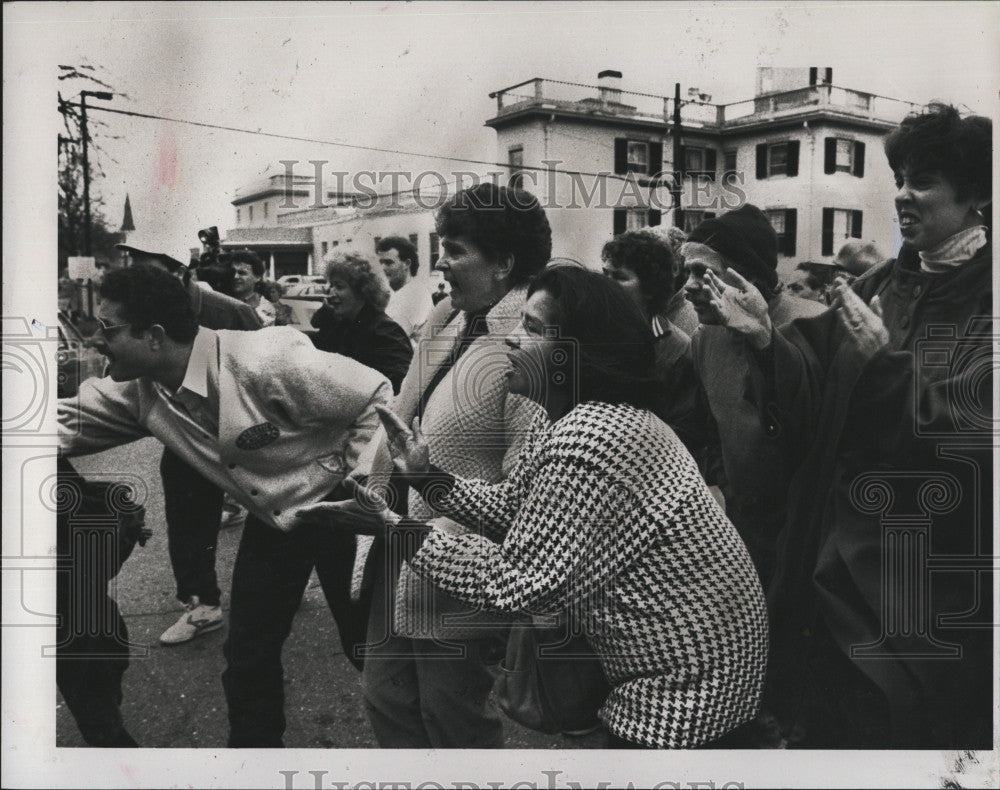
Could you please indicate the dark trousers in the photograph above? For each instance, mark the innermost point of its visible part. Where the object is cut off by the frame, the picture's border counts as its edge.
(193, 508)
(271, 572)
(92, 650)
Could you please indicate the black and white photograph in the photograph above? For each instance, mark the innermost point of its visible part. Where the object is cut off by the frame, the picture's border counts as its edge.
(490, 395)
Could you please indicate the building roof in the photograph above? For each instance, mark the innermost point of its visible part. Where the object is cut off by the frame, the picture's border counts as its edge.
(599, 104)
(273, 236)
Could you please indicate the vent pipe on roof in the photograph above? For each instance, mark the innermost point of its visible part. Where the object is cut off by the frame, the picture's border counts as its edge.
(609, 85)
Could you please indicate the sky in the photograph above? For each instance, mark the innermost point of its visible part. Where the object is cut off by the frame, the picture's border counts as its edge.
(416, 77)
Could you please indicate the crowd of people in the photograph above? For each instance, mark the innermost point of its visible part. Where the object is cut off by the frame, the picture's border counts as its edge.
(771, 514)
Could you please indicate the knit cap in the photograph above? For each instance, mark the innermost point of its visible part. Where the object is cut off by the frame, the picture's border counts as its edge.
(746, 239)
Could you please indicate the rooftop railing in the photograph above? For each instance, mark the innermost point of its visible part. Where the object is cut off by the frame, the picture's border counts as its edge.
(607, 101)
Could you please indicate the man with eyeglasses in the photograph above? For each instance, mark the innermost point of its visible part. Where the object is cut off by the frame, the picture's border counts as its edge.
(264, 416)
(193, 505)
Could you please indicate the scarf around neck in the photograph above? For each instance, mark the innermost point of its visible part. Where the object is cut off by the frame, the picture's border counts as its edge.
(953, 251)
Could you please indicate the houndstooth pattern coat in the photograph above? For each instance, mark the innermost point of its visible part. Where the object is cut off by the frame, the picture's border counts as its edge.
(606, 512)
(474, 428)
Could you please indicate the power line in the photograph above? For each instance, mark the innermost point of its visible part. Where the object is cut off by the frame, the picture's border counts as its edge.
(356, 146)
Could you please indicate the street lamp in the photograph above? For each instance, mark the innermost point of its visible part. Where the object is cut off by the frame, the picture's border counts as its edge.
(104, 96)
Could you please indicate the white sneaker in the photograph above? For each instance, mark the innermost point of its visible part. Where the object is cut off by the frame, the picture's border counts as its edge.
(197, 619)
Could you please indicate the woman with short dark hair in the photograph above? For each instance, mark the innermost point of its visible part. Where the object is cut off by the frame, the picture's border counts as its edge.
(417, 693)
(872, 650)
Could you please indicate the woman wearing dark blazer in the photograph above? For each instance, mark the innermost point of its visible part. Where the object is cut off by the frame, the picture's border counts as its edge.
(352, 320)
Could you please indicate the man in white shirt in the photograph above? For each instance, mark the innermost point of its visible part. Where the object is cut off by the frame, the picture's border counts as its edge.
(269, 419)
(411, 301)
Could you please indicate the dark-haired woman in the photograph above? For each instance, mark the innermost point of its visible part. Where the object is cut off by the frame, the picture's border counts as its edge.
(605, 513)
(881, 606)
(427, 683)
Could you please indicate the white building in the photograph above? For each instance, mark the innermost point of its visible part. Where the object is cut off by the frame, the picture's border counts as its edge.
(810, 156)
(600, 160)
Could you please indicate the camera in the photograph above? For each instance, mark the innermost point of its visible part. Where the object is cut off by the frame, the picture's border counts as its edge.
(214, 267)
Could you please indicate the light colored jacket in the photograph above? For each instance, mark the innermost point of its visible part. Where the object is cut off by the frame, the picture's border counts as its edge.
(474, 428)
(293, 420)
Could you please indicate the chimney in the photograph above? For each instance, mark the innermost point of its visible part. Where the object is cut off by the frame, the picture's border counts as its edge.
(814, 76)
(609, 86)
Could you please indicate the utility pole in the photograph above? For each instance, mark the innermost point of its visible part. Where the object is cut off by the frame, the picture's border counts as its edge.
(84, 137)
(678, 185)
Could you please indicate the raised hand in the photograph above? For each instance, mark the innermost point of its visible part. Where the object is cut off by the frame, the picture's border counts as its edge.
(739, 306)
(863, 324)
(409, 450)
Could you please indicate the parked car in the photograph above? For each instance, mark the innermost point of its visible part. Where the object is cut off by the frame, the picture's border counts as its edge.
(297, 279)
(75, 361)
(304, 304)
(307, 289)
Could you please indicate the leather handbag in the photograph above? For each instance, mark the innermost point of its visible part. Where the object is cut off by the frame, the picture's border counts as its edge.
(551, 681)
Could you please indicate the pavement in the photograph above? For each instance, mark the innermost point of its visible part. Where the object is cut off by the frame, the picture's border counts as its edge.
(173, 695)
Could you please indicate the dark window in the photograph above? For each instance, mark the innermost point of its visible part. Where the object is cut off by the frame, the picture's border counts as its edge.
(638, 156)
(729, 161)
(325, 247)
(838, 226)
(784, 222)
(778, 159)
(844, 156)
(515, 161)
(625, 219)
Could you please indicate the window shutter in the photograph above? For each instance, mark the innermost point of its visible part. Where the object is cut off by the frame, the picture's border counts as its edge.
(654, 217)
(619, 221)
(830, 155)
(793, 158)
(762, 161)
(710, 163)
(679, 218)
(859, 159)
(791, 219)
(621, 155)
(856, 224)
(655, 158)
(827, 248)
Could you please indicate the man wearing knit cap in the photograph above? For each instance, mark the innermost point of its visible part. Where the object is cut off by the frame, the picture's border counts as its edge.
(747, 463)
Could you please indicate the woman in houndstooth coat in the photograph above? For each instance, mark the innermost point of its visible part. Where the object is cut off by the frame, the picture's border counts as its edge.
(606, 514)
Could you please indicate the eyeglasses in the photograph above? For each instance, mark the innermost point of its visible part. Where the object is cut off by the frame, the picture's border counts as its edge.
(106, 329)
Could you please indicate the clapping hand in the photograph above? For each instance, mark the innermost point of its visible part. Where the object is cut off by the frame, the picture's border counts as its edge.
(409, 450)
(739, 306)
(863, 324)
(366, 513)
